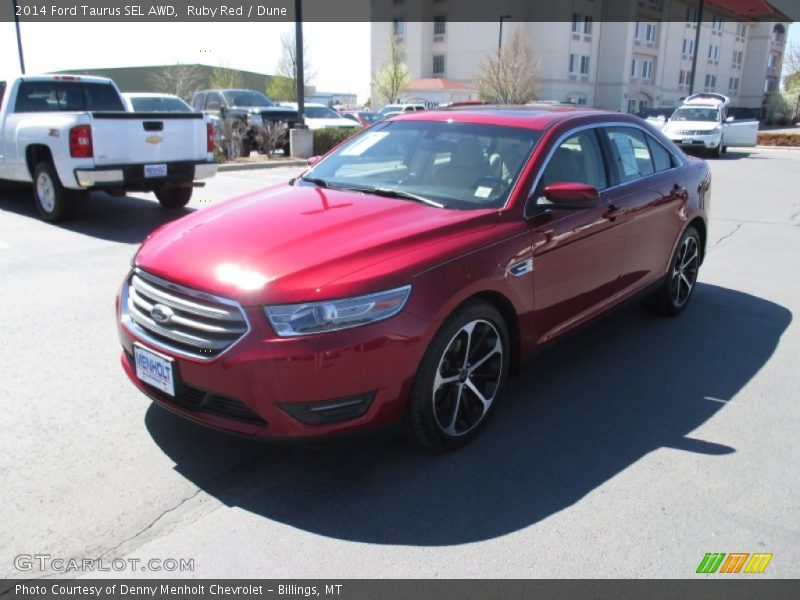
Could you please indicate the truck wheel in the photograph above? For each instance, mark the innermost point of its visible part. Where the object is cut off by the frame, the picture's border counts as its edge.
(717, 152)
(53, 201)
(173, 198)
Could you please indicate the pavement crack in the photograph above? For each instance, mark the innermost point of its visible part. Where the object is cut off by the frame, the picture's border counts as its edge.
(733, 232)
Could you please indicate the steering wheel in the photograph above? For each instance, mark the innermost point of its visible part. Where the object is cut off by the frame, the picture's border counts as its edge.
(491, 179)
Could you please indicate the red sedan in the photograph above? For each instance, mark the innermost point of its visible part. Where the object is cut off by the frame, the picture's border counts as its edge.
(405, 275)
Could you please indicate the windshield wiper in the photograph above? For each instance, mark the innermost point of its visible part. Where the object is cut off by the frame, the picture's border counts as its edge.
(316, 181)
(390, 193)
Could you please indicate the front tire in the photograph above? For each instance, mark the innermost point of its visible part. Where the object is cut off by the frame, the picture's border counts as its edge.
(53, 201)
(174, 198)
(675, 292)
(459, 378)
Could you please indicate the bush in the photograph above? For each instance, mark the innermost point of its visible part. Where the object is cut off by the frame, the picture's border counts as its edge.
(325, 139)
(766, 138)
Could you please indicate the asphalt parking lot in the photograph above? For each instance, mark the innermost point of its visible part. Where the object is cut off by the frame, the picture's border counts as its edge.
(628, 450)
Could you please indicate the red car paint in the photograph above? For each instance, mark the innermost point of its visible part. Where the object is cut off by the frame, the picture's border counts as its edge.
(313, 244)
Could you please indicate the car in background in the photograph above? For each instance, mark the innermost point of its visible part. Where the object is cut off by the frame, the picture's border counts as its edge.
(319, 116)
(242, 114)
(364, 117)
(153, 102)
(392, 110)
(410, 271)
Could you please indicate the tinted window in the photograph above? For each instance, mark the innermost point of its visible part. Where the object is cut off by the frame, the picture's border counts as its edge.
(662, 159)
(198, 101)
(246, 98)
(630, 152)
(159, 104)
(321, 112)
(577, 159)
(47, 96)
(213, 99)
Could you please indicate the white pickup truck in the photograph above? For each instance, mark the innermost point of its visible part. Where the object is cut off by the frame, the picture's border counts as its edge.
(70, 135)
(703, 122)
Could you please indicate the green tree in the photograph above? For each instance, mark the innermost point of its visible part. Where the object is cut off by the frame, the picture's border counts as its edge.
(223, 77)
(393, 76)
(283, 86)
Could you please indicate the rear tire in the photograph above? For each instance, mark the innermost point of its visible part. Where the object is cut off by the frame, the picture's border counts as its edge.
(174, 198)
(459, 378)
(672, 297)
(53, 201)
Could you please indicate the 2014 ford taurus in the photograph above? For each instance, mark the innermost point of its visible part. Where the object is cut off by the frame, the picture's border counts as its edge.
(405, 275)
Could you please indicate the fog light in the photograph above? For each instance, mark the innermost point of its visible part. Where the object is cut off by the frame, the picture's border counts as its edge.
(330, 411)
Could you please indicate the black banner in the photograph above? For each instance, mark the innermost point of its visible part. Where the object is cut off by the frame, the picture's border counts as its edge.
(374, 10)
(733, 588)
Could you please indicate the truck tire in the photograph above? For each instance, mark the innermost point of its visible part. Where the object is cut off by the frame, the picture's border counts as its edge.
(175, 197)
(245, 148)
(53, 201)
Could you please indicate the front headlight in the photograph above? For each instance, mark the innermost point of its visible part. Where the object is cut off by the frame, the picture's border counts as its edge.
(318, 317)
(714, 131)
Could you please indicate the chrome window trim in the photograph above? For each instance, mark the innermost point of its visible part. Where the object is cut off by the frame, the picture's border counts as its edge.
(143, 334)
(679, 159)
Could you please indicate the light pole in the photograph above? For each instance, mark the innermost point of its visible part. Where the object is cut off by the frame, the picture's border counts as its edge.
(19, 40)
(500, 39)
(298, 38)
(699, 24)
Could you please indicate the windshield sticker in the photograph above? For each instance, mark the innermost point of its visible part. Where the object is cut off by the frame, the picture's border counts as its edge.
(483, 192)
(364, 143)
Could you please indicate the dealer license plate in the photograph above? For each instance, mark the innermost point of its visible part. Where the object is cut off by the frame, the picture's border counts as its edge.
(155, 170)
(155, 369)
(686, 141)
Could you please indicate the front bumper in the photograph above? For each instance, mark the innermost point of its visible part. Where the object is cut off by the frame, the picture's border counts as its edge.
(708, 142)
(315, 386)
(131, 177)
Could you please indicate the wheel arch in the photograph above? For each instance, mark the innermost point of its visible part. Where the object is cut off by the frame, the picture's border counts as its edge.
(699, 224)
(509, 314)
(36, 153)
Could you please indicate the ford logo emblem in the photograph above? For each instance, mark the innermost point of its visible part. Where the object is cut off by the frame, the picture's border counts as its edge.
(161, 314)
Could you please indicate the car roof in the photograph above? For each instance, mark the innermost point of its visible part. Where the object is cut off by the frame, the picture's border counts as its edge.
(529, 117)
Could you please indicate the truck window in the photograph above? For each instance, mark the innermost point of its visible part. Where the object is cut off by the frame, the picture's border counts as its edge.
(51, 96)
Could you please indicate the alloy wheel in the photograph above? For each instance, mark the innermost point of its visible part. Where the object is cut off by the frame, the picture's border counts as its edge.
(684, 272)
(467, 378)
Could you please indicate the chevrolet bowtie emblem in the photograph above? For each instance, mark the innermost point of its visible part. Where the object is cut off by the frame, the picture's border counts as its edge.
(154, 139)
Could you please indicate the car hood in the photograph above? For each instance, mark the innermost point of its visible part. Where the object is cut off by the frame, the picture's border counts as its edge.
(290, 244)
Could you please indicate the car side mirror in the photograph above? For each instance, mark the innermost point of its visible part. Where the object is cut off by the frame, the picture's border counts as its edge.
(570, 196)
(313, 160)
(730, 119)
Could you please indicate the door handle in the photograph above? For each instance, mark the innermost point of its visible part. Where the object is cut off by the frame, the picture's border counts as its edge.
(612, 212)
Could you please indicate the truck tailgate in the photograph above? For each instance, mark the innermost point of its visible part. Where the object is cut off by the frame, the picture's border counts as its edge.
(145, 138)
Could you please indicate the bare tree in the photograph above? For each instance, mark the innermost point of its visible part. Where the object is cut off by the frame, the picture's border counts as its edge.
(791, 82)
(223, 77)
(178, 79)
(512, 76)
(393, 76)
(283, 86)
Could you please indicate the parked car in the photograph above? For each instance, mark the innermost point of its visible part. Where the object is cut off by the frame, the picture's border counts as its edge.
(406, 274)
(702, 122)
(244, 113)
(153, 102)
(70, 135)
(392, 110)
(319, 116)
(363, 117)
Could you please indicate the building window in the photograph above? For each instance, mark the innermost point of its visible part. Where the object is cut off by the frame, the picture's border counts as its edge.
(650, 33)
(638, 32)
(631, 106)
(573, 63)
(576, 23)
(741, 32)
(777, 33)
(769, 86)
(439, 26)
(685, 77)
(688, 47)
(584, 65)
(738, 55)
(398, 28)
(647, 69)
(772, 61)
(634, 68)
(711, 82)
(733, 85)
(691, 15)
(587, 30)
(716, 24)
(438, 64)
(713, 52)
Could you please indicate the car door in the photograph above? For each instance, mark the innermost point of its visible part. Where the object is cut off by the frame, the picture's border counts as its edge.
(649, 195)
(577, 252)
(740, 133)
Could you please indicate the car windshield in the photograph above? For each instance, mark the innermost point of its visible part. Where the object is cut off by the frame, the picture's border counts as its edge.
(390, 108)
(246, 98)
(696, 114)
(459, 165)
(159, 104)
(321, 112)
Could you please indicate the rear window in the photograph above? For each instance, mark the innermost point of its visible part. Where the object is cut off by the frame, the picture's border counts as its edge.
(54, 96)
(160, 104)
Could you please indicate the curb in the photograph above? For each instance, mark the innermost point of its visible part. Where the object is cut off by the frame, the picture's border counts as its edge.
(260, 165)
(778, 147)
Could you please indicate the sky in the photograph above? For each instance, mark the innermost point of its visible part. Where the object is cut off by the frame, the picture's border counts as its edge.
(339, 53)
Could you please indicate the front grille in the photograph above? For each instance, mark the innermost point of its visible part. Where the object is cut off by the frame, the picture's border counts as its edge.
(198, 324)
(204, 402)
(692, 132)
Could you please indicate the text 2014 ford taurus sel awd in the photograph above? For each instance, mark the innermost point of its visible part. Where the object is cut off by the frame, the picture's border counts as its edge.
(404, 276)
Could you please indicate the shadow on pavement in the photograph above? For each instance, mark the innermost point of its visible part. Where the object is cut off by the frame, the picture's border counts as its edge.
(118, 219)
(581, 413)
